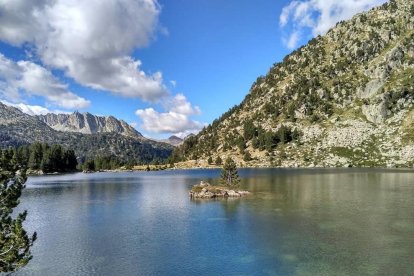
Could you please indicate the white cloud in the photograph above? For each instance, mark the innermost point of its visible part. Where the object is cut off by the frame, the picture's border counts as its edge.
(293, 39)
(35, 80)
(286, 11)
(168, 122)
(175, 120)
(319, 16)
(33, 109)
(179, 104)
(90, 41)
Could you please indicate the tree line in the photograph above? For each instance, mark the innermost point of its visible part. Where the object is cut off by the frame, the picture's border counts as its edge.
(38, 156)
(104, 163)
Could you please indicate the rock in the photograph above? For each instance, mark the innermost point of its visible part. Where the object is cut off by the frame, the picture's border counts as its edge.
(371, 89)
(205, 190)
(232, 193)
(375, 113)
(204, 184)
(87, 123)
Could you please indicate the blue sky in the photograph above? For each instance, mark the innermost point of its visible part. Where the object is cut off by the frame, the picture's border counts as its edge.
(167, 67)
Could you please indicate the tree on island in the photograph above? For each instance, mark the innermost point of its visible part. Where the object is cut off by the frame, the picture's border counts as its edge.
(229, 174)
(14, 242)
(218, 161)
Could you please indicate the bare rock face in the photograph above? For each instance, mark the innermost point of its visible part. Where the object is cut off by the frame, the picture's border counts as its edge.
(87, 123)
(375, 113)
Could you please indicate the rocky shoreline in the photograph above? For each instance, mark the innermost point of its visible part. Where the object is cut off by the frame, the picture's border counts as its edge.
(206, 191)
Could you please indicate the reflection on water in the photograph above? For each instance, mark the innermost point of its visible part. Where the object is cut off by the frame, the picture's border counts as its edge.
(297, 222)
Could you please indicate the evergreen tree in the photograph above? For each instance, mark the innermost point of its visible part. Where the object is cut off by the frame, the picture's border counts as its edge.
(89, 165)
(23, 154)
(14, 242)
(295, 135)
(69, 160)
(36, 155)
(249, 130)
(56, 158)
(46, 164)
(210, 160)
(219, 161)
(6, 159)
(247, 157)
(229, 174)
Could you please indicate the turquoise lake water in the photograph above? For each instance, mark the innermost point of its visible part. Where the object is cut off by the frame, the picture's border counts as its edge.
(297, 222)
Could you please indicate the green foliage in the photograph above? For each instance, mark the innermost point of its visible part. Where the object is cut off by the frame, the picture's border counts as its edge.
(218, 161)
(247, 157)
(38, 156)
(229, 175)
(107, 163)
(89, 165)
(392, 6)
(210, 160)
(241, 143)
(14, 241)
(250, 130)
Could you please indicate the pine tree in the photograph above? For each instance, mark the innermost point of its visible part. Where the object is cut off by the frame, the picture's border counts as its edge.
(36, 155)
(46, 164)
(14, 242)
(69, 160)
(89, 165)
(56, 158)
(6, 159)
(247, 157)
(229, 174)
(219, 161)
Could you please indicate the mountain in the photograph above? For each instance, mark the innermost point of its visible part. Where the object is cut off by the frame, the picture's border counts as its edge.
(88, 124)
(18, 128)
(173, 140)
(344, 99)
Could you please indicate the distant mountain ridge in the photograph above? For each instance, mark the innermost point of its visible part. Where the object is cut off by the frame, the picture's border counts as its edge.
(18, 128)
(173, 140)
(88, 123)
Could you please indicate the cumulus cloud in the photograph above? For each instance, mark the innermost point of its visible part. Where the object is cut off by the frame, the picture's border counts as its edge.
(33, 109)
(179, 104)
(90, 41)
(175, 120)
(319, 16)
(35, 80)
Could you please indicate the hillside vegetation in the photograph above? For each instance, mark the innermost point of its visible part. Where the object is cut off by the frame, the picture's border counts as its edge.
(344, 99)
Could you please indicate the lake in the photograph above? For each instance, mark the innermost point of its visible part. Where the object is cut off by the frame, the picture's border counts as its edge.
(297, 222)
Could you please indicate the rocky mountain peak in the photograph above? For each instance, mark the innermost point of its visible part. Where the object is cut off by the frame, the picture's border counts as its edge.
(88, 123)
(105, 136)
(173, 140)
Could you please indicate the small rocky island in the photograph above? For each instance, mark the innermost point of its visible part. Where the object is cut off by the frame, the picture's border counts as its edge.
(229, 184)
(205, 190)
